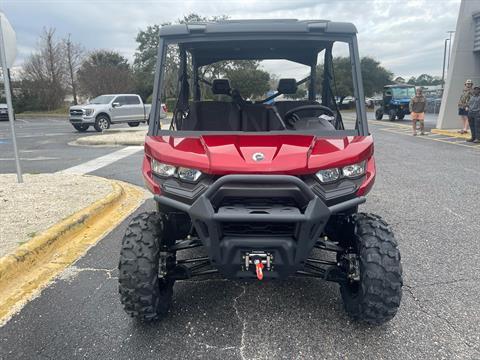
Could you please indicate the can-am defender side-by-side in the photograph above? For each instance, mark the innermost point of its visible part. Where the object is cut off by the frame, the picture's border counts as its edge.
(395, 101)
(268, 190)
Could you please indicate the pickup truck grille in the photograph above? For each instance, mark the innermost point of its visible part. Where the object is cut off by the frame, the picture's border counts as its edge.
(76, 112)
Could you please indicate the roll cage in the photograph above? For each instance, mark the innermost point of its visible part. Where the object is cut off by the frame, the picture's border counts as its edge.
(297, 41)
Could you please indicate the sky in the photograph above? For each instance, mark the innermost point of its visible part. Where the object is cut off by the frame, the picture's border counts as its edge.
(406, 36)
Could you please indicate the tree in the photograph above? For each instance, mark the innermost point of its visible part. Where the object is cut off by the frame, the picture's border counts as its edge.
(146, 57)
(74, 54)
(300, 94)
(145, 60)
(251, 83)
(425, 80)
(412, 80)
(104, 72)
(375, 76)
(44, 73)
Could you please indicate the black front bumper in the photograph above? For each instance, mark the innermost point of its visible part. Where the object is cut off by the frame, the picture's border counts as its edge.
(275, 214)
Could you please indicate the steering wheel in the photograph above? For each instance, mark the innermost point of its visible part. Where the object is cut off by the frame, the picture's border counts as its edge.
(291, 115)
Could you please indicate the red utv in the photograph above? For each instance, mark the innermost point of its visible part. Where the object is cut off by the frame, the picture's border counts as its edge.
(268, 190)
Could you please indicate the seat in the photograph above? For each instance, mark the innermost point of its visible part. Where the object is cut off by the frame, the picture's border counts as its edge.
(212, 116)
(260, 117)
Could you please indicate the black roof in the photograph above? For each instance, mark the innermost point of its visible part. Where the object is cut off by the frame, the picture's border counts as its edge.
(227, 27)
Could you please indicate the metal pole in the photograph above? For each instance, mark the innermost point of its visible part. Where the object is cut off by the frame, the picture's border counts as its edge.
(8, 96)
(449, 46)
(444, 58)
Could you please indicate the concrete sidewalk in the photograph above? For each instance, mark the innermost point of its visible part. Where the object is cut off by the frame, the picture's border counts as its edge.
(41, 201)
(118, 137)
(66, 223)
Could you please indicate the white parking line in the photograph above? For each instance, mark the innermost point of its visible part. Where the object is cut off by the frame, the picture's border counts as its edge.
(39, 158)
(102, 161)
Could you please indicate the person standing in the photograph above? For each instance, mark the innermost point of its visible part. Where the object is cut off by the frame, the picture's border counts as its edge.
(473, 108)
(417, 106)
(462, 104)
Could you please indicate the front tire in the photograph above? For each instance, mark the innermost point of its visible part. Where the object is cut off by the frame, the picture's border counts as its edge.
(375, 298)
(144, 292)
(102, 123)
(81, 127)
(392, 114)
(133, 123)
(379, 114)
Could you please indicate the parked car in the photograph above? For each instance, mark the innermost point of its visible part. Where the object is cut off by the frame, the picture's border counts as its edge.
(3, 112)
(347, 102)
(105, 110)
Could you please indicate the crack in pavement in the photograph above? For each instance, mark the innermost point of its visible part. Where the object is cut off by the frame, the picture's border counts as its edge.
(71, 272)
(208, 346)
(446, 282)
(237, 312)
(241, 320)
(433, 313)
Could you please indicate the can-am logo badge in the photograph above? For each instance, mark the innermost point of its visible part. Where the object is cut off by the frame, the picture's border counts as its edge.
(258, 156)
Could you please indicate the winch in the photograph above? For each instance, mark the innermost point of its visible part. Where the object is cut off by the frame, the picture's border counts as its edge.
(260, 260)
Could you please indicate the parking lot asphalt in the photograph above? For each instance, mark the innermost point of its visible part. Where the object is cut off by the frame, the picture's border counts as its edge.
(44, 146)
(427, 190)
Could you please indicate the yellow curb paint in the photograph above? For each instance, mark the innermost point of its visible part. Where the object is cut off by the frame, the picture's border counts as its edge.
(450, 133)
(388, 124)
(33, 265)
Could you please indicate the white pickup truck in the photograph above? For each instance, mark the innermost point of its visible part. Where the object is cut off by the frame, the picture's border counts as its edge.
(106, 110)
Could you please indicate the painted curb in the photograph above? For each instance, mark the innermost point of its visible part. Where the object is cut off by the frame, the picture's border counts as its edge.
(32, 265)
(28, 253)
(108, 142)
(109, 139)
(450, 133)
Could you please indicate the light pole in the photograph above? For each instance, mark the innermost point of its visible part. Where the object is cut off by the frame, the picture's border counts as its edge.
(449, 45)
(444, 58)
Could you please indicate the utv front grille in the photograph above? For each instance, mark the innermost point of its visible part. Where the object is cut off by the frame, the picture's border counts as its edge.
(258, 202)
(258, 229)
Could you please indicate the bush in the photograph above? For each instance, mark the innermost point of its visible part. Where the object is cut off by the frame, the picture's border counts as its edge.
(171, 102)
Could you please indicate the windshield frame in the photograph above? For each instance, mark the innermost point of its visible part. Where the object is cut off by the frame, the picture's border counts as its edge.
(409, 89)
(112, 97)
(361, 126)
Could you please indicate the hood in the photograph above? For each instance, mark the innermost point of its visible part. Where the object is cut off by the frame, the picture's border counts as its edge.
(283, 154)
(88, 106)
(405, 100)
(3, 106)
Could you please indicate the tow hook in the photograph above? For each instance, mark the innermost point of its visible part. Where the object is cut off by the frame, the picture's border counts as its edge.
(259, 269)
(261, 260)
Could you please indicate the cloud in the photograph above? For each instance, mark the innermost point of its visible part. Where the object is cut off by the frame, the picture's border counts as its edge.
(405, 36)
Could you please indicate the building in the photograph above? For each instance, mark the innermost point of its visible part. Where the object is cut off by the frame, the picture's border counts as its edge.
(464, 63)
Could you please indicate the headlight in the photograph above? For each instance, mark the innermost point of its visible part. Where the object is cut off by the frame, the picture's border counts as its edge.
(89, 112)
(355, 170)
(188, 174)
(349, 171)
(182, 173)
(328, 175)
(162, 169)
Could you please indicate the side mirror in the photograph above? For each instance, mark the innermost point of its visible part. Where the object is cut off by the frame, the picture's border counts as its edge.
(115, 104)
